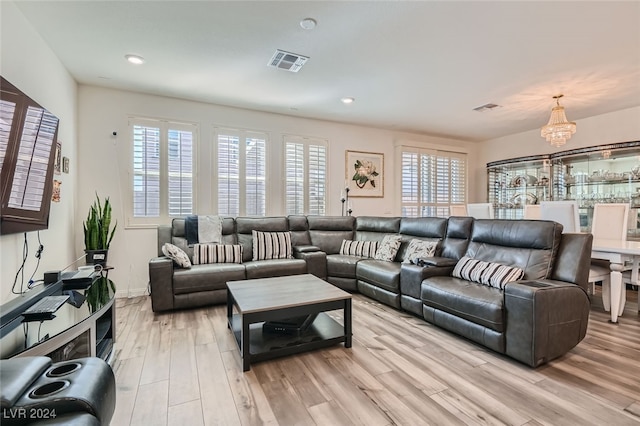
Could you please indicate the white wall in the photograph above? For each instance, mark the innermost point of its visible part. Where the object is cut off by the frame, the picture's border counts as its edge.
(104, 165)
(618, 126)
(27, 62)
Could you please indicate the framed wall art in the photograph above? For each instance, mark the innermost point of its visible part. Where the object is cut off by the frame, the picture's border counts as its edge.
(365, 174)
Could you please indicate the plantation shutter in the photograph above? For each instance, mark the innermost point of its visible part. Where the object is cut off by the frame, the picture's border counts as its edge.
(146, 171)
(242, 173)
(180, 176)
(305, 175)
(163, 170)
(431, 181)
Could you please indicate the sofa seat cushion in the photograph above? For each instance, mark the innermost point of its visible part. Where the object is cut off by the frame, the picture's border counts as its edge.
(474, 302)
(205, 277)
(380, 273)
(275, 268)
(342, 265)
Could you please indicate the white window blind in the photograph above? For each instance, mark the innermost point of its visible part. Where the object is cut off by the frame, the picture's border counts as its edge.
(305, 175)
(241, 172)
(163, 169)
(432, 181)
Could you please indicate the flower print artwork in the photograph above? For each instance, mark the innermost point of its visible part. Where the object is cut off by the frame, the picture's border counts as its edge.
(365, 174)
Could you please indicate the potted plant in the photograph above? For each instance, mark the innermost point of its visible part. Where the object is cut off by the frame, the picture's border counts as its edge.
(98, 232)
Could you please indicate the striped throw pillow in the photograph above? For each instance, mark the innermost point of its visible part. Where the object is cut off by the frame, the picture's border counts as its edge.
(217, 253)
(487, 273)
(272, 245)
(359, 248)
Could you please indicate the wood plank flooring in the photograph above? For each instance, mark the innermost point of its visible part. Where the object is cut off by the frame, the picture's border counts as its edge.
(183, 368)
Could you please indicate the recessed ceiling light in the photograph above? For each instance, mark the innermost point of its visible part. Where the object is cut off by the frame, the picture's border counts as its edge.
(308, 23)
(347, 100)
(135, 59)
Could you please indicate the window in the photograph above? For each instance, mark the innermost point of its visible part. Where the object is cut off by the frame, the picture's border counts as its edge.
(163, 169)
(242, 172)
(432, 181)
(305, 175)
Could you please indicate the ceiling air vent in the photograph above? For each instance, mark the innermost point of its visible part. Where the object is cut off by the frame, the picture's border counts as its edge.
(287, 61)
(486, 107)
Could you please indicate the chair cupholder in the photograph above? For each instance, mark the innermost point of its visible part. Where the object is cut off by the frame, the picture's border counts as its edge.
(63, 370)
(48, 389)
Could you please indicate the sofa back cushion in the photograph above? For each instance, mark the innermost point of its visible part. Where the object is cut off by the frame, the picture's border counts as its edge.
(529, 245)
(299, 228)
(327, 232)
(430, 229)
(246, 225)
(457, 237)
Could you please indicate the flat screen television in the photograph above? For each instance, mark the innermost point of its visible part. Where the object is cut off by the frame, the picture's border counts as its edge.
(28, 135)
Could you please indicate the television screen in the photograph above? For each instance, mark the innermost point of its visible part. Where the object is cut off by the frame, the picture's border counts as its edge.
(28, 134)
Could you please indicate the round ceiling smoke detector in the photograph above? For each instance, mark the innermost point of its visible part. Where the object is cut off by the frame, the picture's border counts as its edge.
(348, 100)
(308, 23)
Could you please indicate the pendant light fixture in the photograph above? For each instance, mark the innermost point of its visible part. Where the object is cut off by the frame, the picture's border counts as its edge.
(558, 130)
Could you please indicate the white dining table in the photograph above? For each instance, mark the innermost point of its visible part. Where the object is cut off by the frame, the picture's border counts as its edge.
(618, 253)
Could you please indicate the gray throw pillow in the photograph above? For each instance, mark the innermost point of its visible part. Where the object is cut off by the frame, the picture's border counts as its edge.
(177, 255)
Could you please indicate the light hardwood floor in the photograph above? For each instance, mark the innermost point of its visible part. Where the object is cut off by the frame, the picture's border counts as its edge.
(183, 368)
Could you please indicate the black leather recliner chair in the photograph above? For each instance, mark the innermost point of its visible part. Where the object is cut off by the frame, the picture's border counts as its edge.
(36, 391)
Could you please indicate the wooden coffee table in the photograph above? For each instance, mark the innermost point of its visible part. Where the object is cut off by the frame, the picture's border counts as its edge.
(252, 302)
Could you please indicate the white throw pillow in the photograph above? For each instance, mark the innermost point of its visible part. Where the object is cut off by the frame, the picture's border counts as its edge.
(388, 248)
(217, 253)
(487, 273)
(272, 245)
(359, 248)
(177, 255)
(418, 249)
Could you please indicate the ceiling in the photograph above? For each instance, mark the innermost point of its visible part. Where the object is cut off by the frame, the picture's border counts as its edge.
(411, 66)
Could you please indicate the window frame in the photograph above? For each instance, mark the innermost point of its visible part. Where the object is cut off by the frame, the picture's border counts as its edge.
(441, 208)
(164, 125)
(243, 135)
(307, 142)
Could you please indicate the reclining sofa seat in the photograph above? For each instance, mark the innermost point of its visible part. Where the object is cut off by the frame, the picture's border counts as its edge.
(327, 233)
(200, 285)
(380, 279)
(177, 288)
(451, 248)
(508, 321)
(265, 268)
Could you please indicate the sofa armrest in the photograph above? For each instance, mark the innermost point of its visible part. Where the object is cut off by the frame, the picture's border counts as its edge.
(545, 318)
(161, 283)
(436, 261)
(305, 249)
(316, 260)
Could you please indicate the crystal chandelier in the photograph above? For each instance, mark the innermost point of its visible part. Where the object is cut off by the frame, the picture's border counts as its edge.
(558, 130)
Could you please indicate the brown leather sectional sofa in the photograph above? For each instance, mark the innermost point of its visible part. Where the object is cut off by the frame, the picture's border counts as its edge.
(533, 320)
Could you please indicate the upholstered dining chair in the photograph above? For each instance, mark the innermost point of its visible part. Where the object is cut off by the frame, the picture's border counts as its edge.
(610, 221)
(480, 210)
(532, 211)
(457, 210)
(564, 212)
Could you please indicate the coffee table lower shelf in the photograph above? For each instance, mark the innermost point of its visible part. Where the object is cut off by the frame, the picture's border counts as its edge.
(323, 332)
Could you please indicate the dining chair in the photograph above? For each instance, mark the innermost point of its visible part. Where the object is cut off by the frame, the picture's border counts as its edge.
(532, 211)
(567, 214)
(480, 210)
(564, 212)
(610, 221)
(457, 210)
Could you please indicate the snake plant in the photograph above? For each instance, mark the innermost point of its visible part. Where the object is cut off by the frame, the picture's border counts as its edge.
(97, 235)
